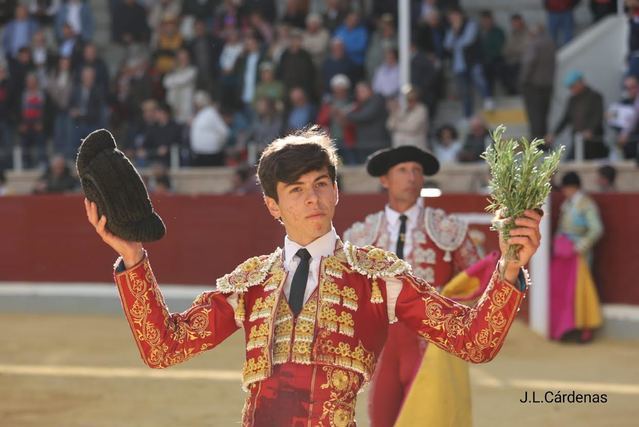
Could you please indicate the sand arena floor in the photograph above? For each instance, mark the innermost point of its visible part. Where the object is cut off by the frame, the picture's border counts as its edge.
(77, 370)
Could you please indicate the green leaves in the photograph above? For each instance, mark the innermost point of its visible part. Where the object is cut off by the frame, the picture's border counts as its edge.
(520, 176)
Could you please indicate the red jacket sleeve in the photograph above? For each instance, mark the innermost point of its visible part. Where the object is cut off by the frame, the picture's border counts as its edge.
(164, 338)
(474, 334)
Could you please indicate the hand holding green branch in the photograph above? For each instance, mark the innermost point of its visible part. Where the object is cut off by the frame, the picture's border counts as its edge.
(520, 180)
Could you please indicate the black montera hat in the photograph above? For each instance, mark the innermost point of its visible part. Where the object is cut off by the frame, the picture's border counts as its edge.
(109, 179)
(381, 161)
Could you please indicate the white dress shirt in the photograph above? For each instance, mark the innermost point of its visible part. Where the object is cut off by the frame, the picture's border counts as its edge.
(321, 247)
(393, 224)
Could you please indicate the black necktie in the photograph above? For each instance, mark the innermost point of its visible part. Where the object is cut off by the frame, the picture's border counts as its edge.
(298, 286)
(402, 237)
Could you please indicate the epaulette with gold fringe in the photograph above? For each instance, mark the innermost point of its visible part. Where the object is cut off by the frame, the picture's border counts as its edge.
(251, 272)
(374, 263)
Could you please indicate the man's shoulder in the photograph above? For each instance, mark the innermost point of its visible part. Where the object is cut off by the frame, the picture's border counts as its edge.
(363, 233)
(586, 202)
(251, 272)
(447, 231)
(374, 262)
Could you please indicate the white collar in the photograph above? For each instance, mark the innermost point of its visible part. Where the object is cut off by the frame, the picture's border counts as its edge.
(321, 247)
(392, 216)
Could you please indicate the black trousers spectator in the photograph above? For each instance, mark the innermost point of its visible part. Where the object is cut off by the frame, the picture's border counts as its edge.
(630, 150)
(510, 76)
(593, 149)
(496, 70)
(216, 159)
(537, 104)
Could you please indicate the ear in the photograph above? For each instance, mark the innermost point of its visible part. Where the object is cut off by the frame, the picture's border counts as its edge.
(384, 181)
(272, 207)
(336, 193)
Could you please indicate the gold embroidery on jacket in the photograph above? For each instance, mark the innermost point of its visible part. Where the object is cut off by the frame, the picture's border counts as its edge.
(331, 293)
(262, 307)
(258, 336)
(192, 327)
(305, 331)
(277, 276)
(343, 355)
(333, 267)
(339, 409)
(251, 272)
(342, 323)
(374, 262)
(483, 344)
(255, 369)
(349, 298)
(283, 331)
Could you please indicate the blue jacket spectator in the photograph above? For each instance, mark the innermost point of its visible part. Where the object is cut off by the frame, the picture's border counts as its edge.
(302, 113)
(18, 32)
(336, 63)
(355, 38)
(79, 15)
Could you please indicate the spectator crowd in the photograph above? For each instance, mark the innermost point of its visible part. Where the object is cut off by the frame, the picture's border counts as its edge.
(211, 82)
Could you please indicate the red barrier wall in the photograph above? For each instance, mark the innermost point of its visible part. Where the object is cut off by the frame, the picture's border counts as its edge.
(47, 238)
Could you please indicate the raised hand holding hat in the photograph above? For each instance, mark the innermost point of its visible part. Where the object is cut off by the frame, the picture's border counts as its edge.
(110, 181)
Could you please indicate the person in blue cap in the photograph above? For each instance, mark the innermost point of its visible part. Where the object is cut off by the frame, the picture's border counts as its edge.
(584, 113)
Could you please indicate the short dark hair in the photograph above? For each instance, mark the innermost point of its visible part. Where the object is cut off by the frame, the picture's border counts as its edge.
(447, 127)
(608, 172)
(486, 14)
(165, 107)
(571, 179)
(288, 158)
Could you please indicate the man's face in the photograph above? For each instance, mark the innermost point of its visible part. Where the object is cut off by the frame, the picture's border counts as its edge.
(296, 43)
(24, 56)
(32, 82)
(337, 49)
(21, 13)
(486, 22)
(38, 39)
(477, 127)
(297, 97)
(602, 181)
(517, 24)
(352, 20)
(90, 53)
(577, 87)
(455, 18)
(267, 75)
(200, 28)
(404, 182)
(251, 44)
(569, 191)
(88, 77)
(632, 87)
(58, 165)
(67, 32)
(363, 92)
(306, 207)
(149, 112)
